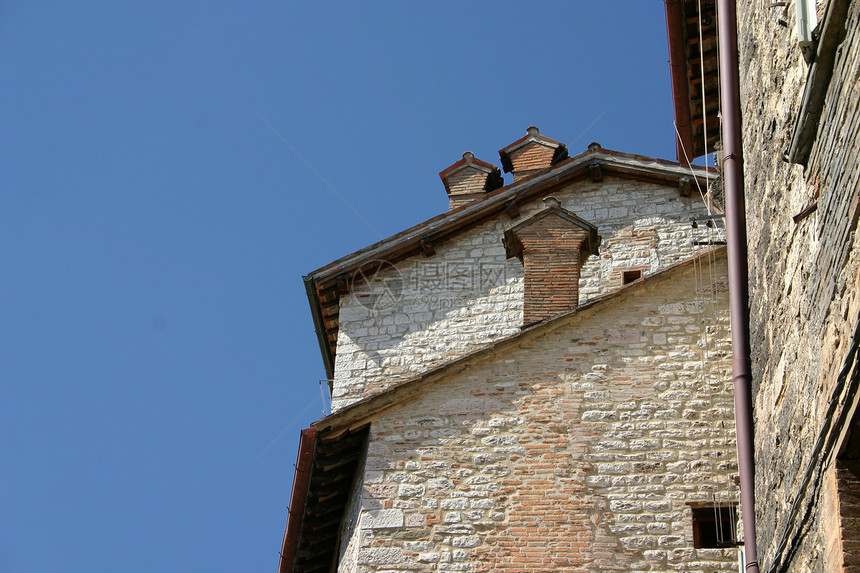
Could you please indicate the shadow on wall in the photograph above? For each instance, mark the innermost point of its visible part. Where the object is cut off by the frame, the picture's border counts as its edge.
(427, 311)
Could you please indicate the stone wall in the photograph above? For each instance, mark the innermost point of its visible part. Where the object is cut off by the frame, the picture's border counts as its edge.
(644, 226)
(468, 294)
(803, 276)
(580, 450)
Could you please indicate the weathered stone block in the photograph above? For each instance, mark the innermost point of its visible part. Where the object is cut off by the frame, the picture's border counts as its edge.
(382, 518)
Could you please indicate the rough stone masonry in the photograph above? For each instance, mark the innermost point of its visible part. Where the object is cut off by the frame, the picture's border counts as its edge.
(804, 276)
(583, 449)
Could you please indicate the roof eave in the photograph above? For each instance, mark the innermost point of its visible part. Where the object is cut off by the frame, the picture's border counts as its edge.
(440, 228)
(680, 82)
(319, 328)
(301, 483)
(616, 163)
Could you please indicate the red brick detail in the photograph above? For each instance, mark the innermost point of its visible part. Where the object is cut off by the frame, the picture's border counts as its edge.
(848, 482)
(552, 257)
(530, 157)
(551, 520)
(531, 153)
(469, 179)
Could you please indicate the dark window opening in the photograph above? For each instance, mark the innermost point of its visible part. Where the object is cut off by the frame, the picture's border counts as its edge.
(714, 526)
(628, 277)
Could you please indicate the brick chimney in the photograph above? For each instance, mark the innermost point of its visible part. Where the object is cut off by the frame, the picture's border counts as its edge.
(531, 153)
(552, 244)
(470, 179)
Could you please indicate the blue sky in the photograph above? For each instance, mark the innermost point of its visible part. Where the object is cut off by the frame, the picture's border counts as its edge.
(156, 220)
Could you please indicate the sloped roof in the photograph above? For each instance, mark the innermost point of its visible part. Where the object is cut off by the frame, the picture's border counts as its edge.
(360, 412)
(693, 59)
(324, 477)
(341, 433)
(325, 285)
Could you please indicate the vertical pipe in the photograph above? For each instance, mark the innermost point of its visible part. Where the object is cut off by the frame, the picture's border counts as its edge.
(736, 239)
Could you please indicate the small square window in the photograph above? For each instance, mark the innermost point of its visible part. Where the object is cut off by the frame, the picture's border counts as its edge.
(714, 526)
(628, 277)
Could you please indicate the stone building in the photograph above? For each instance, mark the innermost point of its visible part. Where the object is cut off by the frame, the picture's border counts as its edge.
(799, 72)
(536, 380)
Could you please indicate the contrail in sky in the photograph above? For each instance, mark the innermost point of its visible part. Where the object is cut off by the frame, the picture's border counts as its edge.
(284, 431)
(589, 126)
(318, 174)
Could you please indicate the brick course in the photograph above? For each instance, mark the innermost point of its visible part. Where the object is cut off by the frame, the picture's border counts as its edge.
(531, 153)
(529, 158)
(469, 179)
(554, 249)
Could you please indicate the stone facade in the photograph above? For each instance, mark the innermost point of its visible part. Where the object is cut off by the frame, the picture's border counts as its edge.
(469, 294)
(466, 295)
(581, 449)
(803, 282)
(541, 380)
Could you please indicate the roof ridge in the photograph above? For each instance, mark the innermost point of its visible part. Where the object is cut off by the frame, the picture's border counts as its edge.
(499, 196)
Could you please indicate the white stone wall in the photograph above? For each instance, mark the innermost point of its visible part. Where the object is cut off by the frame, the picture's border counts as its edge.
(439, 308)
(578, 451)
(644, 226)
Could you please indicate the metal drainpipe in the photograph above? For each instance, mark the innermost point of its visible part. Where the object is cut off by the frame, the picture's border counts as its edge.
(736, 239)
